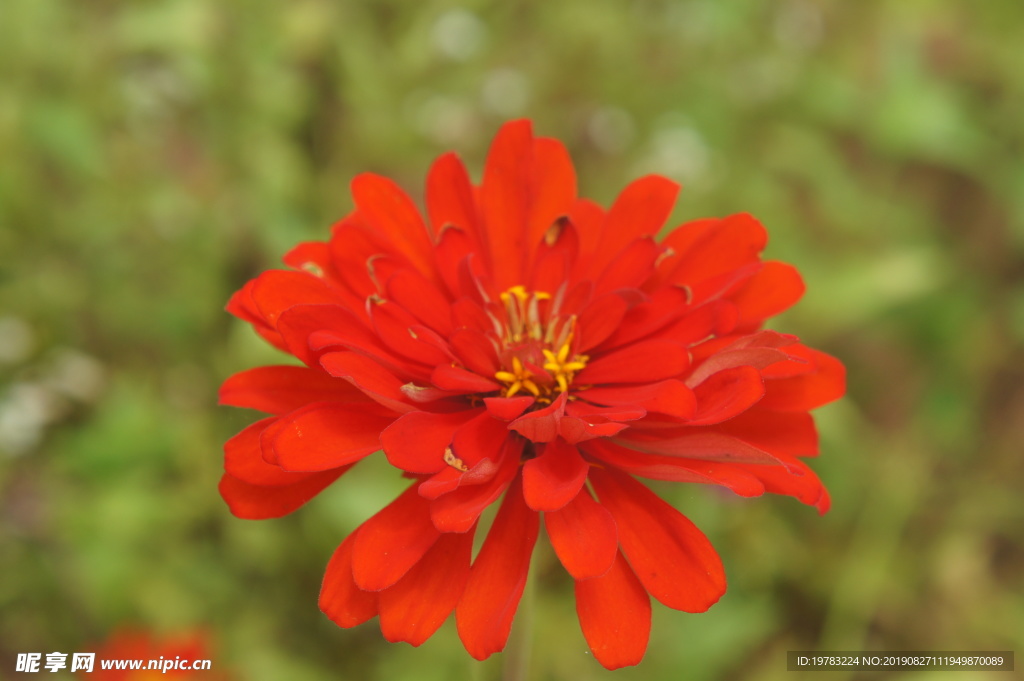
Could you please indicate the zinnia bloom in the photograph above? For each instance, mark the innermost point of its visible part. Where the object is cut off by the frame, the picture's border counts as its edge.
(523, 347)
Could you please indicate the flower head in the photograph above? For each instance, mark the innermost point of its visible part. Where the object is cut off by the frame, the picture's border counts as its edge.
(525, 348)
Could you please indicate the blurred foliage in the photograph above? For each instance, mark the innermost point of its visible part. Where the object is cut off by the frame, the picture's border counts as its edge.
(160, 152)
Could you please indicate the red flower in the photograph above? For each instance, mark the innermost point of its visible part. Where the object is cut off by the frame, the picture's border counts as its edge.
(517, 345)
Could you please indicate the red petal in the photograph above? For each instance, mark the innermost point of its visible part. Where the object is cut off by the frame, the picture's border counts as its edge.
(505, 201)
(450, 196)
(588, 219)
(665, 306)
(354, 244)
(673, 559)
(804, 485)
(711, 250)
(554, 256)
(497, 579)
(414, 608)
(478, 451)
(675, 468)
(313, 257)
(778, 432)
(575, 430)
(481, 437)
(461, 380)
(759, 350)
(541, 425)
(775, 288)
(670, 397)
(584, 536)
(475, 350)
(639, 211)
(507, 408)
(281, 389)
(458, 510)
(826, 383)
(340, 599)
(369, 376)
(325, 435)
(243, 459)
(417, 294)
(417, 441)
(277, 290)
(615, 615)
(599, 320)
(311, 330)
(632, 267)
(454, 247)
(727, 394)
(391, 542)
(554, 478)
(698, 443)
(244, 307)
(259, 502)
(393, 325)
(637, 363)
(388, 210)
(552, 187)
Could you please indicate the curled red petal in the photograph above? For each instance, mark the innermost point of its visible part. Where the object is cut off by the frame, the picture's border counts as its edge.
(615, 615)
(584, 536)
(498, 576)
(673, 559)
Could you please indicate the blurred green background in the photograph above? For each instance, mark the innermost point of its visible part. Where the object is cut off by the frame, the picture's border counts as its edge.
(156, 154)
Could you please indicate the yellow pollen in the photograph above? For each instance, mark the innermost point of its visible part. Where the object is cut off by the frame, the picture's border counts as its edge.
(531, 334)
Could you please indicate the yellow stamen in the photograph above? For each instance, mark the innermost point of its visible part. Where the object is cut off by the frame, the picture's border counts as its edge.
(525, 327)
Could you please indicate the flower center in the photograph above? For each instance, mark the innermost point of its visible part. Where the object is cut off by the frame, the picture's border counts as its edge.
(536, 350)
